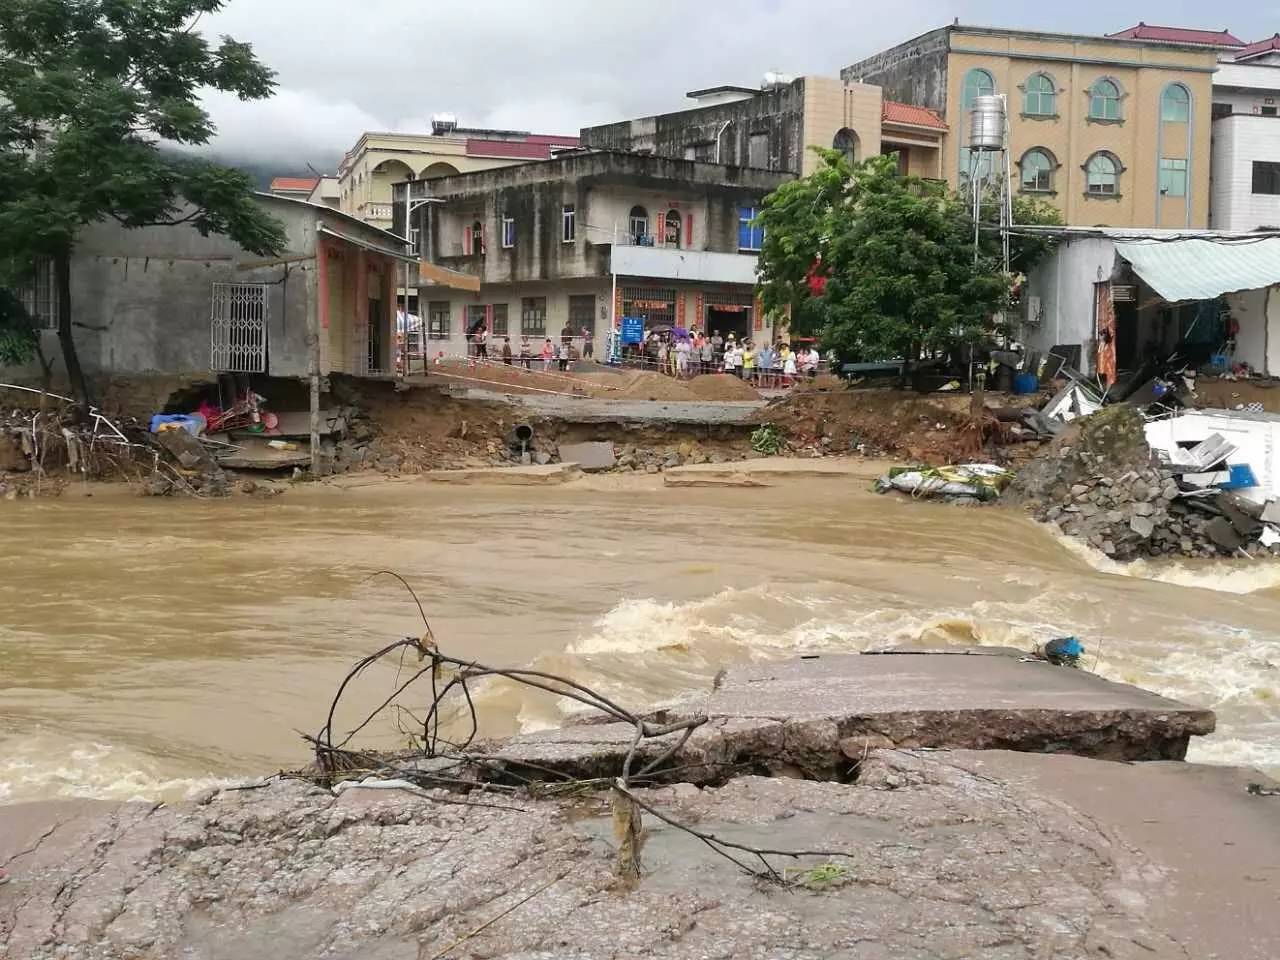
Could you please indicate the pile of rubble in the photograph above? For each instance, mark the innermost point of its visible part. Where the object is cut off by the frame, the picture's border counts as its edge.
(1101, 483)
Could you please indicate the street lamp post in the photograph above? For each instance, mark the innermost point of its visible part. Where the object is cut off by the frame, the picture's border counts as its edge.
(410, 205)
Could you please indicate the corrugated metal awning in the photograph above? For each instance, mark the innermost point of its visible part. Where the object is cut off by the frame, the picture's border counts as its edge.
(1203, 269)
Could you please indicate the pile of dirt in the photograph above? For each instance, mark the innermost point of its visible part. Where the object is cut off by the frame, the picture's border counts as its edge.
(515, 378)
(932, 429)
(721, 386)
(418, 429)
(645, 385)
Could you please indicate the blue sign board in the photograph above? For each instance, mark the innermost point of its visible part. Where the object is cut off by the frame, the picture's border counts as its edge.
(632, 330)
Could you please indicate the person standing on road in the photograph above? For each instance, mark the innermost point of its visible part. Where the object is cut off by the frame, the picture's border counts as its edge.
(566, 334)
(506, 351)
(788, 366)
(588, 344)
(748, 362)
(526, 353)
(548, 354)
(764, 363)
(708, 356)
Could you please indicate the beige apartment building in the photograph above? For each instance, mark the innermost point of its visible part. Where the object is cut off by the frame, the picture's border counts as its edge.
(379, 160)
(1114, 131)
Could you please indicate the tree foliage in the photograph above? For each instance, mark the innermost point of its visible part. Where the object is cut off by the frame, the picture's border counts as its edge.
(880, 265)
(93, 96)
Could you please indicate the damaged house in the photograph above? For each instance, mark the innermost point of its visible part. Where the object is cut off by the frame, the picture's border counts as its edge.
(1113, 302)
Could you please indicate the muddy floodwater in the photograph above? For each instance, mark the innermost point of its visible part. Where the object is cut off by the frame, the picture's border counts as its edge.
(150, 647)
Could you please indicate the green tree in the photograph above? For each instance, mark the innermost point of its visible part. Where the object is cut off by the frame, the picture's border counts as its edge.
(92, 95)
(897, 257)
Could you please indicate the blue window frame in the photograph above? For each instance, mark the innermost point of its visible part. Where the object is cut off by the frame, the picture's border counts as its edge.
(750, 236)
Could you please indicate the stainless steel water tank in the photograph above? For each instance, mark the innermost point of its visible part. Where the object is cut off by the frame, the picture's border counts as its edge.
(986, 124)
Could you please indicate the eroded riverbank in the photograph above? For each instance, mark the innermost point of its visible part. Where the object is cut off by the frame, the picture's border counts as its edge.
(152, 646)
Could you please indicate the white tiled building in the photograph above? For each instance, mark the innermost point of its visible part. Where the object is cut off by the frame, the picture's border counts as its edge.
(1245, 178)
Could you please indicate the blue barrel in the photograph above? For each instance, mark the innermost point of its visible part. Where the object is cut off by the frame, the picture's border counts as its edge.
(1026, 383)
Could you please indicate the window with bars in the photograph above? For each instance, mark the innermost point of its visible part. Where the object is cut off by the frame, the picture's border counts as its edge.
(582, 313)
(508, 232)
(238, 328)
(438, 320)
(1266, 177)
(40, 296)
(533, 316)
(568, 223)
(500, 328)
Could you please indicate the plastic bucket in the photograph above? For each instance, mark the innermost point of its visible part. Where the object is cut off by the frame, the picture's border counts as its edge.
(1026, 383)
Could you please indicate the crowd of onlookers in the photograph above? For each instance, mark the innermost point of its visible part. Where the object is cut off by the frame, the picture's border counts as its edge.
(676, 353)
(765, 365)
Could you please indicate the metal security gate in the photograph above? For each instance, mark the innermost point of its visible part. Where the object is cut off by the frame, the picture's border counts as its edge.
(238, 328)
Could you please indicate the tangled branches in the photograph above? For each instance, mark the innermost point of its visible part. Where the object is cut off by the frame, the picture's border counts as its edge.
(437, 761)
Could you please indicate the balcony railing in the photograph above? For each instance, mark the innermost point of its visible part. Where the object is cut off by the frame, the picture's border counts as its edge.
(377, 211)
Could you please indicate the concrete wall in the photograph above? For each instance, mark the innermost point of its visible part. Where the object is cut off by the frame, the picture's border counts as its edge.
(831, 106)
(776, 115)
(1249, 309)
(1064, 283)
(1238, 141)
(141, 299)
(912, 72)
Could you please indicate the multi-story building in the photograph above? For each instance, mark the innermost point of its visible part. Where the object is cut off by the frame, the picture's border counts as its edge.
(1112, 130)
(551, 242)
(775, 127)
(1246, 138)
(379, 160)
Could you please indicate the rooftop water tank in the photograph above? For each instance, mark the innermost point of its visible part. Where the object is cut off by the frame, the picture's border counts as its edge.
(986, 124)
(773, 80)
(442, 123)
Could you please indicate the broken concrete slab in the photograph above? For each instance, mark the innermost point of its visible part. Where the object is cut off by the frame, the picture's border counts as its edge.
(984, 855)
(741, 480)
(816, 714)
(590, 457)
(533, 475)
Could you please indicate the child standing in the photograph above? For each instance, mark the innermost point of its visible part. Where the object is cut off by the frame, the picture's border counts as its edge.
(548, 354)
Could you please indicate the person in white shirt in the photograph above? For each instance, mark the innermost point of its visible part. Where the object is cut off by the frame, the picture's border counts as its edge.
(731, 358)
(683, 350)
(810, 362)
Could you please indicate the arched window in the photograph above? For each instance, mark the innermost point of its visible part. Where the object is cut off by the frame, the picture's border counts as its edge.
(1102, 175)
(672, 234)
(639, 223)
(977, 83)
(1104, 100)
(846, 141)
(1175, 104)
(1040, 96)
(1037, 167)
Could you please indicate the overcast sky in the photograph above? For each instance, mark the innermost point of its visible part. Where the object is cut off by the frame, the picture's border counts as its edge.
(553, 66)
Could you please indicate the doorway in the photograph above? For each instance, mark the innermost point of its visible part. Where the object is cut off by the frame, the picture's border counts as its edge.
(377, 336)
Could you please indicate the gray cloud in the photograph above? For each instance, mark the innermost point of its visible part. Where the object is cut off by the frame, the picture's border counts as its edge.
(556, 65)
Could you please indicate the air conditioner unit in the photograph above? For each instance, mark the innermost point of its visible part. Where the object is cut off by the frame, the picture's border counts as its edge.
(1124, 293)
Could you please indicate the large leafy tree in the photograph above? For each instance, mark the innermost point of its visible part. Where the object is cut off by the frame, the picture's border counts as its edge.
(94, 96)
(880, 265)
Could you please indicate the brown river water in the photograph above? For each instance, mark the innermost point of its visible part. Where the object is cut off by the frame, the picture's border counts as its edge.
(149, 647)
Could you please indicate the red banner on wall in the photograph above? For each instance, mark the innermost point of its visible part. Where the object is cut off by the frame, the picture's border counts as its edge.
(680, 310)
(699, 315)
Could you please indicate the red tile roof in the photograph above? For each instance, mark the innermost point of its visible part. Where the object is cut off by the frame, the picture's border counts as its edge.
(1262, 46)
(1206, 38)
(893, 112)
(295, 183)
